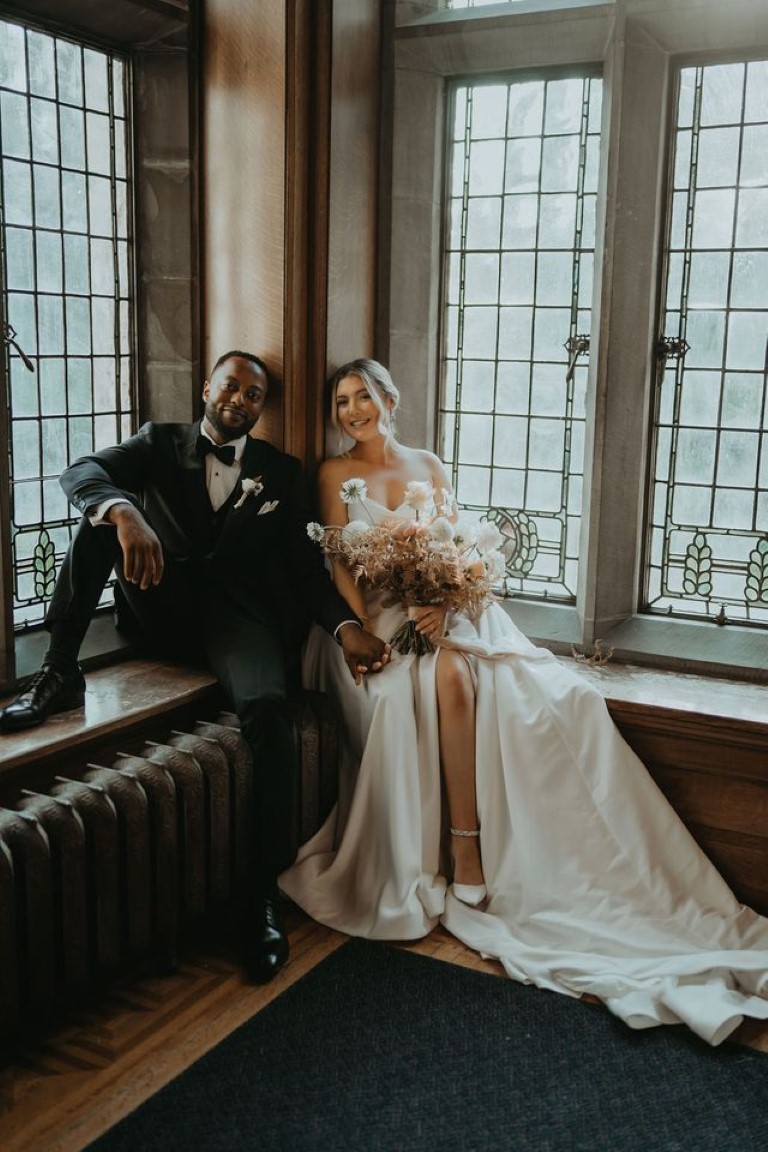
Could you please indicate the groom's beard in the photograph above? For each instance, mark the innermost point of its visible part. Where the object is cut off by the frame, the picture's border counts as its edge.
(228, 431)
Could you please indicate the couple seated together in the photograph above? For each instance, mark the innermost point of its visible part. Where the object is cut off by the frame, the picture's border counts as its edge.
(482, 784)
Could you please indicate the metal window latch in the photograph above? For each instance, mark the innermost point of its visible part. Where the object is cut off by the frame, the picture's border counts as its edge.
(671, 347)
(575, 345)
(9, 337)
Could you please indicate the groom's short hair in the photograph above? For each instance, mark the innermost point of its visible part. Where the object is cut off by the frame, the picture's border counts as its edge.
(243, 356)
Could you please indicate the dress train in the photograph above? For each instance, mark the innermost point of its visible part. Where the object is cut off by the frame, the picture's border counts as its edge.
(594, 884)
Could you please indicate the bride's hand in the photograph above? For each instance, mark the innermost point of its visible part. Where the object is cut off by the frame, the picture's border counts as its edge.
(364, 652)
(403, 529)
(430, 621)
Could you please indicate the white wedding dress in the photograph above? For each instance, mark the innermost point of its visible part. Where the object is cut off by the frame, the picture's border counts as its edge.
(594, 884)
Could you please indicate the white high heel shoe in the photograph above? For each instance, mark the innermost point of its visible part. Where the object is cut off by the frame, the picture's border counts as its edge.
(470, 894)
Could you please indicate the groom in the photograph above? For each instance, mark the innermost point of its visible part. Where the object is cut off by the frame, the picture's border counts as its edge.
(206, 527)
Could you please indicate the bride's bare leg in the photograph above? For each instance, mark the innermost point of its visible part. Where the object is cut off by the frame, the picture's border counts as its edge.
(456, 719)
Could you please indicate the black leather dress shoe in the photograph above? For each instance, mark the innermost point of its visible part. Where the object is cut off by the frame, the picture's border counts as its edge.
(266, 945)
(45, 693)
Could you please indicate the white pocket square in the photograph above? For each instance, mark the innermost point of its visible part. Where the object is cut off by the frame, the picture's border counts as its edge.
(268, 506)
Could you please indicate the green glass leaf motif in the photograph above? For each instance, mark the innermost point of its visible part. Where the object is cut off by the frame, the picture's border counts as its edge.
(44, 565)
(521, 539)
(697, 572)
(756, 590)
(529, 542)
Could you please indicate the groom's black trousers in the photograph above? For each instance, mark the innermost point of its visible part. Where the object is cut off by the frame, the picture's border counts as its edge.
(191, 616)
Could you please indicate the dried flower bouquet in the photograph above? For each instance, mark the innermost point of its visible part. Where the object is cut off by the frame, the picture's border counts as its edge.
(418, 562)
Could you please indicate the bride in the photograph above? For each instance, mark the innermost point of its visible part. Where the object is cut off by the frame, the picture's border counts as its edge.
(489, 764)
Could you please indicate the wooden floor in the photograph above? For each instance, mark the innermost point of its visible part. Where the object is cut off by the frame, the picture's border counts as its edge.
(60, 1096)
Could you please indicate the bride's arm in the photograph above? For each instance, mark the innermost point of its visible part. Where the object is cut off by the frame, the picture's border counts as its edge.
(334, 511)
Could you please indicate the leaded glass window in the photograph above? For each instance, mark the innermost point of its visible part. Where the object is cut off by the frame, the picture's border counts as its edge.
(477, 3)
(65, 194)
(519, 258)
(496, 3)
(707, 551)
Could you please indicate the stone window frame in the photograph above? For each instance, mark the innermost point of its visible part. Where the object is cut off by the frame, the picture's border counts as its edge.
(638, 44)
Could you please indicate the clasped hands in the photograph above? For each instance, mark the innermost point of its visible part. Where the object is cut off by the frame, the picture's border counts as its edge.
(363, 651)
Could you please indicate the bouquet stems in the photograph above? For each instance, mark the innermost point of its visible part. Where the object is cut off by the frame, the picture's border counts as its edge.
(407, 638)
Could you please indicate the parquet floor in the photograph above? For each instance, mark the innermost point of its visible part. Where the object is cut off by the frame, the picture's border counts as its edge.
(60, 1096)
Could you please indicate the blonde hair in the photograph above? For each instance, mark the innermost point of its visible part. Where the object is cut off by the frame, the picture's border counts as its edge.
(378, 384)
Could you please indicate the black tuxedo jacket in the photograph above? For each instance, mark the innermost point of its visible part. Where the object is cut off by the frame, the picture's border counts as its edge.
(259, 552)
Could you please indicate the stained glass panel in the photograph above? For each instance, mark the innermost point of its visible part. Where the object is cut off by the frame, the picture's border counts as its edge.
(65, 197)
(707, 543)
(519, 266)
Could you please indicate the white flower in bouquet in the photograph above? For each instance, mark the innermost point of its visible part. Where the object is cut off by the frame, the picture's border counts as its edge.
(488, 537)
(413, 564)
(446, 505)
(418, 494)
(353, 489)
(354, 530)
(441, 530)
(495, 563)
(465, 534)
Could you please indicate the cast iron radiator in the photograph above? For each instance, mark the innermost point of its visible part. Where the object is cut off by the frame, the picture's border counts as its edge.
(104, 871)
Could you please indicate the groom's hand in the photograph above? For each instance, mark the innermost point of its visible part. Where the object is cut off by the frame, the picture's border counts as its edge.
(142, 551)
(363, 651)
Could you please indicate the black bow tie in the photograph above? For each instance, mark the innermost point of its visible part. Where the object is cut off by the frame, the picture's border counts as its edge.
(223, 452)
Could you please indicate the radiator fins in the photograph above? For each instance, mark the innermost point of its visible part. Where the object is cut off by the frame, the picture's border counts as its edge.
(100, 874)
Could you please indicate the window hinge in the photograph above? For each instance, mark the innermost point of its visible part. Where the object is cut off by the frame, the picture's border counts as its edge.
(669, 347)
(575, 345)
(9, 337)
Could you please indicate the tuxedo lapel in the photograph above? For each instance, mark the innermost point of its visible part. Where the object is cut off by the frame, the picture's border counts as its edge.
(191, 469)
(241, 507)
(252, 458)
(185, 443)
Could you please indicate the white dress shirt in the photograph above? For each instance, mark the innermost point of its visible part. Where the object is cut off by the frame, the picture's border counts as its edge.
(220, 479)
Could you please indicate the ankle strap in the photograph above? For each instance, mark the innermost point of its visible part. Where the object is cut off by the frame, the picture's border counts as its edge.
(465, 831)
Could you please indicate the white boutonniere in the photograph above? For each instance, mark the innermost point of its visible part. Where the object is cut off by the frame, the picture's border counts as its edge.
(252, 486)
(267, 506)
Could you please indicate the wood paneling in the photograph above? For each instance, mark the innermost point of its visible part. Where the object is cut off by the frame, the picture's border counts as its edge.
(243, 171)
(714, 772)
(306, 238)
(353, 175)
(290, 170)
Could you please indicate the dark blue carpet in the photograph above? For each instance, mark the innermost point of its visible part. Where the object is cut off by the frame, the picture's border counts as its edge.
(384, 1050)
